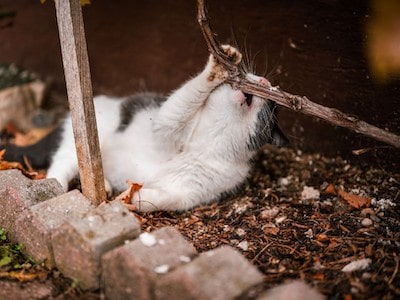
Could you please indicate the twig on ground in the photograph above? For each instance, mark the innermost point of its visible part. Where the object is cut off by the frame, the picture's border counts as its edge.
(294, 102)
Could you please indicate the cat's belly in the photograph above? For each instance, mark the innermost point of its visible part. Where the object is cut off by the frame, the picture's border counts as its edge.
(127, 165)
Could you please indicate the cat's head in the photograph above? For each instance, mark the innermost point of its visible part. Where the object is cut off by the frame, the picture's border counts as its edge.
(246, 119)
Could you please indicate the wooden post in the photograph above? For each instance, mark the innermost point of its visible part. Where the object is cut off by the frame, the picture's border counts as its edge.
(80, 97)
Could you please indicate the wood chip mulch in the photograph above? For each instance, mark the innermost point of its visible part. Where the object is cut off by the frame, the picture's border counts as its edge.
(306, 216)
(298, 216)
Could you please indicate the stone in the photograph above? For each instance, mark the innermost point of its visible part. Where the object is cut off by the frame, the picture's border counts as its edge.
(294, 290)
(18, 193)
(34, 290)
(79, 243)
(34, 225)
(130, 271)
(366, 222)
(217, 274)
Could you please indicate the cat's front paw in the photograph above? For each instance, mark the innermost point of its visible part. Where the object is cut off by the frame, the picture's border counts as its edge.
(233, 54)
(217, 72)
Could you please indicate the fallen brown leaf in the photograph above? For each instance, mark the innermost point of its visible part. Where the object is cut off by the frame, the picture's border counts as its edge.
(271, 230)
(322, 237)
(2, 154)
(319, 276)
(22, 276)
(347, 297)
(33, 136)
(127, 195)
(354, 200)
(6, 165)
(369, 250)
(330, 189)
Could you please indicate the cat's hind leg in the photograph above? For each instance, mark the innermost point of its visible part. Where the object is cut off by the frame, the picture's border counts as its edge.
(64, 170)
(150, 199)
(64, 163)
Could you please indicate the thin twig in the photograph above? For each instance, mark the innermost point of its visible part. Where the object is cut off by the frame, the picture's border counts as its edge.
(294, 102)
(396, 269)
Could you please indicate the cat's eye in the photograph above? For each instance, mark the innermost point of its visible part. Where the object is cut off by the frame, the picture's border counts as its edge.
(249, 99)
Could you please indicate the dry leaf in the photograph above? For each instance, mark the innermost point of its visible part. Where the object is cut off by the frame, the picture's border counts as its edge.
(127, 195)
(369, 250)
(271, 230)
(347, 297)
(5, 165)
(30, 137)
(22, 276)
(355, 200)
(319, 276)
(322, 237)
(330, 189)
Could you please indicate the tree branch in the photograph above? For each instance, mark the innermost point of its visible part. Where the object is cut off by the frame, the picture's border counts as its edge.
(294, 102)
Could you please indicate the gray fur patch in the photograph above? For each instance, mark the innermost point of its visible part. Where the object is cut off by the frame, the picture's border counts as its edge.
(133, 104)
(267, 129)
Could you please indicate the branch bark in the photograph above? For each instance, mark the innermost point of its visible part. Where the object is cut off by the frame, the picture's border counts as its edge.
(294, 102)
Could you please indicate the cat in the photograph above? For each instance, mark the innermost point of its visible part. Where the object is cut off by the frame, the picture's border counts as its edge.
(187, 149)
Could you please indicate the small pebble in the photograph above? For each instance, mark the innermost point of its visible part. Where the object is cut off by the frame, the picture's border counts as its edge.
(309, 193)
(280, 219)
(309, 233)
(244, 245)
(366, 222)
(367, 211)
(240, 232)
(269, 213)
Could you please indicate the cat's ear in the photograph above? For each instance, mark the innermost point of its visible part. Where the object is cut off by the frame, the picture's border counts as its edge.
(279, 139)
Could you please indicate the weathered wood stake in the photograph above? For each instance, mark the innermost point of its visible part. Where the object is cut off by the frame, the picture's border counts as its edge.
(80, 97)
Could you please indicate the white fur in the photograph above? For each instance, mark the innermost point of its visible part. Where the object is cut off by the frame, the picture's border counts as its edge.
(185, 153)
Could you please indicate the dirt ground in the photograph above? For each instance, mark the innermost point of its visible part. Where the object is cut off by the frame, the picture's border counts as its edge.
(299, 215)
(289, 236)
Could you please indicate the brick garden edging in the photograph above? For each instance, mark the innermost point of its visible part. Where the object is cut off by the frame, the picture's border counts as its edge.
(103, 247)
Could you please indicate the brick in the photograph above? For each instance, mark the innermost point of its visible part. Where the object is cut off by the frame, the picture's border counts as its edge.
(296, 290)
(79, 243)
(18, 192)
(34, 225)
(218, 274)
(130, 271)
(34, 290)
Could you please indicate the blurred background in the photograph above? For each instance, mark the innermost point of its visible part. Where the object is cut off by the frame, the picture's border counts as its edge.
(342, 54)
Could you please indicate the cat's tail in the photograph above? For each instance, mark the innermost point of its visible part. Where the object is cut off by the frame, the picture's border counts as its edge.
(38, 155)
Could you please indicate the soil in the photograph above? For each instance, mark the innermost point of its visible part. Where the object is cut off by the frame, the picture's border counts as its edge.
(299, 215)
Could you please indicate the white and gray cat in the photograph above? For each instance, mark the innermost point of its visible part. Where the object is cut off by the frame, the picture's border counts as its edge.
(186, 150)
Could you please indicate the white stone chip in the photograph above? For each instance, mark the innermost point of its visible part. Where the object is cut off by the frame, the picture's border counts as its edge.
(244, 245)
(357, 265)
(309, 193)
(366, 222)
(162, 269)
(147, 239)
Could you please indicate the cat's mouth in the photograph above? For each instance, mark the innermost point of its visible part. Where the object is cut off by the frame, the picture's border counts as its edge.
(249, 99)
